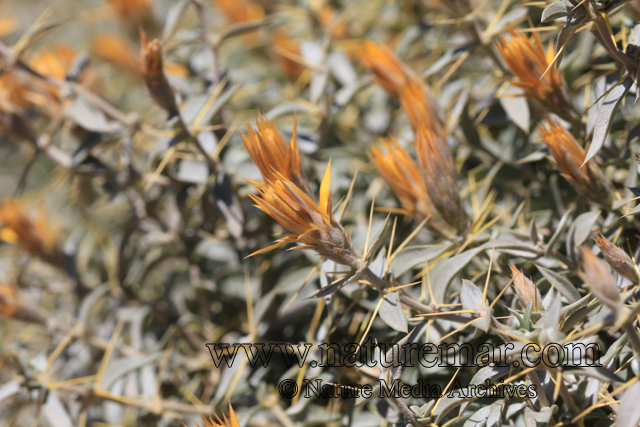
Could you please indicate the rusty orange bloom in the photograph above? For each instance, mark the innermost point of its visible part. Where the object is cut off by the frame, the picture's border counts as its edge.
(528, 61)
(617, 259)
(232, 421)
(440, 176)
(403, 176)
(399, 81)
(154, 77)
(600, 280)
(526, 291)
(287, 53)
(132, 11)
(273, 156)
(311, 224)
(34, 236)
(238, 11)
(569, 156)
(117, 51)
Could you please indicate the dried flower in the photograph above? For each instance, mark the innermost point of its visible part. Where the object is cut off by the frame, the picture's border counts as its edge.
(232, 421)
(526, 290)
(240, 10)
(528, 61)
(440, 177)
(311, 224)
(35, 236)
(569, 155)
(403, 176)
(274, 156)
(399, 81)
(617, 259)
(154, 77)
(287, 53)
(600, 279)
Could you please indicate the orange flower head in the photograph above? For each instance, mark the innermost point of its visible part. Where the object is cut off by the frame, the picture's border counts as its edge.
(528, 61)
(311, 224)
(617, 259)
(35, 236)
(526, 291)
(153, 74)
(286, 51)
(440, 176)
(403, 176)
(238, 11)
(569, 156)
(117, 51)
(132, 11)
(232, 421)
(399, 81)
(274, 156)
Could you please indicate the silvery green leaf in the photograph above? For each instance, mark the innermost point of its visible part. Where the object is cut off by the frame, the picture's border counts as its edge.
(447, 270)
(318, 85)
(539, 419)
(551, 317)
(119, 367)
(629, 412)
(516, 107)
(173, 17)
(471, 297)
(90, 118)
(448, 403)
(8, 389)
(561, 283)
(605, 117)
(391, 312)
(478, 418)
(241, 28)
(413, 256)
(580, 230)
(341, 68)
(89, 301)
(597, 372)
(193, 171)
(55, 412)
(556, 10)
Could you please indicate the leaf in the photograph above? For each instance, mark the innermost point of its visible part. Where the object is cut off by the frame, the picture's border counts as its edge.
(551, 318)
(556, 10)
(9, 389)
(54, 411)
(539, 419)
(447, 403)
(448, 270)
(605, 117)
(193, 171)
(516, 107)
(471, 297)
(629, 412)
(596, 372)
(580, 230)
(85, 115)
(118, 368)
(173, 17)
(561, 283)
(228, 204)
(412, 256)
(391, 312)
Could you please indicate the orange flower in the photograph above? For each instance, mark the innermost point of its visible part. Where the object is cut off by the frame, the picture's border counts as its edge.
(399, 81)
(154, 77)
(600, 280)
(274, 156)
(440, 176)
(240, 10)
(232, 421)
(403, 176)
(132, 11)
(287, 52)
(35, 236)
(117, 51)
(568, 156)
(528, 61)
(311, 224)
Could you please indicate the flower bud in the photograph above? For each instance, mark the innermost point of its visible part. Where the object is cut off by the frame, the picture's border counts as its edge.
(617, 259)
(154, 77)
(600, 279)
(440, 177)
(526, 290)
